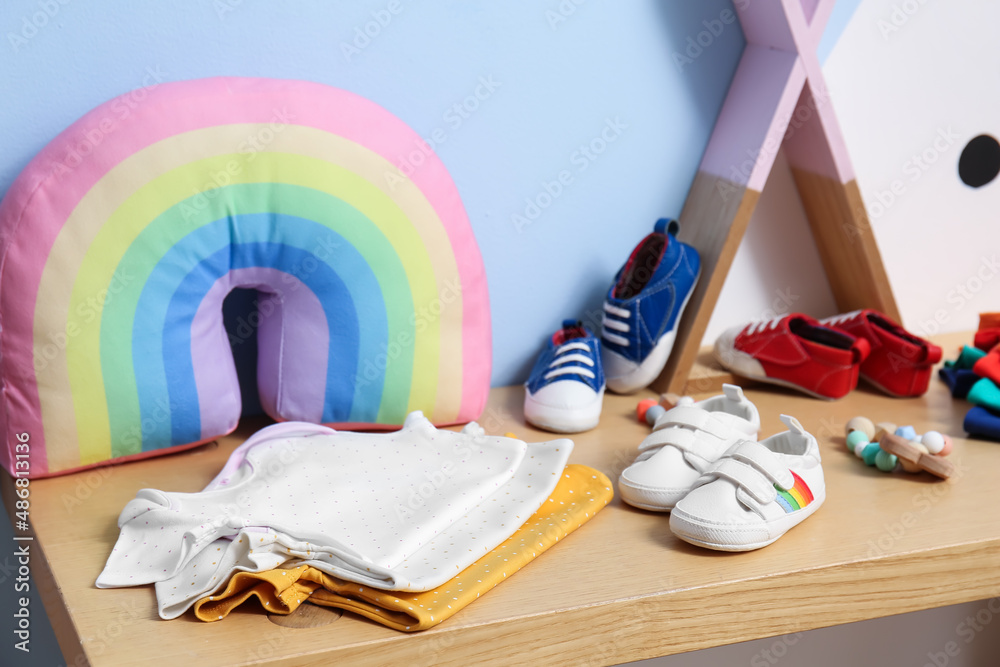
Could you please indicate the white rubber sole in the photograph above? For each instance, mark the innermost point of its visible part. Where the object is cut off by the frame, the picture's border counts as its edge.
(563, 420)
(643, 374)
(679, 523)
(744, 365)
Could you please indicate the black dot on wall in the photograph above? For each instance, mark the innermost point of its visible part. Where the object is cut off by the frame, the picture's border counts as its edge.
(980, 161)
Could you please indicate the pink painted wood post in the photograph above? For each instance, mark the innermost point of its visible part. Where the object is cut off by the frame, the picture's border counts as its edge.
(778, 100)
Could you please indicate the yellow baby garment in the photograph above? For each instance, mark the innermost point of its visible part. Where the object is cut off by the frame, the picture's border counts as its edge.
(580, 494)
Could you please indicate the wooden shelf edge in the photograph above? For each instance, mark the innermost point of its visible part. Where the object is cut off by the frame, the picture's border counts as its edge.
(674, 622)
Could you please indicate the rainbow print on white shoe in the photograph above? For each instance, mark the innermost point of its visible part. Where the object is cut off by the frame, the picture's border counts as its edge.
(754, 494)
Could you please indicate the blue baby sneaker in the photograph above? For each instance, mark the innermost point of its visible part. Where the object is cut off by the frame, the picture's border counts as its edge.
(565, 390)
(644, 306)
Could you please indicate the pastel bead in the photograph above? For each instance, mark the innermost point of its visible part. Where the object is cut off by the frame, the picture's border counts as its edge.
(871, 451)
(933, 441)
(862, 424)
(654, 413)
(947, 446)
(885, 461)
(859, 451)
(643, 407)
(907, 432)
(855, 438)
(882, 428)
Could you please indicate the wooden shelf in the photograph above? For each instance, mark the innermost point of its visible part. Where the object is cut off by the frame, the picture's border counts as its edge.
(621, 588)
(707, 376)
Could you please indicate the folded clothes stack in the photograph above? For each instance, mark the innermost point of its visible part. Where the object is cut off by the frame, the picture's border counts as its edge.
(381, 524)
(975, 375)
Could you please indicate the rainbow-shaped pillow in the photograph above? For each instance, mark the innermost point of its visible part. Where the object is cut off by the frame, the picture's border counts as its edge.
(121, 239)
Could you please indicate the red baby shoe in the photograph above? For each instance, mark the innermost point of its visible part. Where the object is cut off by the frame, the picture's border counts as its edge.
(988, 334)
(900, 363)
(794, 351)
(988, 366)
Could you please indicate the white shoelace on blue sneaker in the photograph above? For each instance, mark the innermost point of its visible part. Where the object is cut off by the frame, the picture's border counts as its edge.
(616, 325)
(563, 357)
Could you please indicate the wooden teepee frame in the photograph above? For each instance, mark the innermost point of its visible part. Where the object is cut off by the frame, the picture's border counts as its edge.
(778, 99)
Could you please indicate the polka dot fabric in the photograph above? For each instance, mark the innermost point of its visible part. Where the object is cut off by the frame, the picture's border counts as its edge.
(579, 495)
(403, 511)
(458, 546)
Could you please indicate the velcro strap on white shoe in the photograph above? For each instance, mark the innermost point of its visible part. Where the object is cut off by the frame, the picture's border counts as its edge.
(693, 418)
(681, 438)
(764, 460)
(746, 477)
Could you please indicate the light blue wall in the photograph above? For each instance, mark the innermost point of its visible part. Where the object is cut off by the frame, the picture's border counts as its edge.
(842, 13)
(559, 83)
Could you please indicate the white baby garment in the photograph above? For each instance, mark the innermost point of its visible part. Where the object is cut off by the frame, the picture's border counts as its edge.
(365, 506)
(457, 547)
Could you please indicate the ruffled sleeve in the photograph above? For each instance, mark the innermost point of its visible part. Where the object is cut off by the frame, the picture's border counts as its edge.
(157, 540)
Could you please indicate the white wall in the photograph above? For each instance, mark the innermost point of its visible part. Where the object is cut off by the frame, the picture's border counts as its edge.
(777, 268)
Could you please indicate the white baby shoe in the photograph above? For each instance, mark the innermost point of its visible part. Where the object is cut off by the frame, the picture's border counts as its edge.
(754, 494)
(685, 441)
